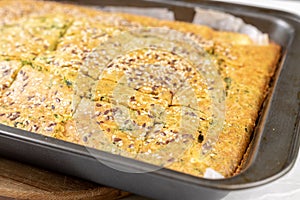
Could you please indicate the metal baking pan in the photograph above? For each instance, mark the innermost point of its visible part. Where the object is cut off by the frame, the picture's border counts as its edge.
(275, 141)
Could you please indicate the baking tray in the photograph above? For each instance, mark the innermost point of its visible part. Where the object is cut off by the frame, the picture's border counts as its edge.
(275, 141)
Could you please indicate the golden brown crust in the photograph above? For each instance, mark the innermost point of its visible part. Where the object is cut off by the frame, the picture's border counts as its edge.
(245, 68)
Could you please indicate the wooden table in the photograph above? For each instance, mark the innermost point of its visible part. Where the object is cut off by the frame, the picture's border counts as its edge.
(20, 181)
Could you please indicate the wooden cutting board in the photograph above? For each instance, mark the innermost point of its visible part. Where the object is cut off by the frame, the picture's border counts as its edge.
(22, 181)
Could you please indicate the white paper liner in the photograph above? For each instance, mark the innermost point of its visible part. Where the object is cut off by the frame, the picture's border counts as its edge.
(226, 22)
(159, 13)
(212, 174)
(216, 19)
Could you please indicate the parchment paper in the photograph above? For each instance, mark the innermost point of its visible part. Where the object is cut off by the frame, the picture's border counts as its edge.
(212, 18)
(226, 22)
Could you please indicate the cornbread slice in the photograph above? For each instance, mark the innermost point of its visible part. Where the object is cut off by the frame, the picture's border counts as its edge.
(8, 71)
(72, 49)
(36, 101)
(69, 71)
(27, 38)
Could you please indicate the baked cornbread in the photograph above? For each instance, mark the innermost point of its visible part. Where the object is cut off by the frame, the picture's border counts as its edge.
(170, 93)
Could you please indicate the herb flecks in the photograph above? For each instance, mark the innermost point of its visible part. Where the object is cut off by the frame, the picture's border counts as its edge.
(228, 82)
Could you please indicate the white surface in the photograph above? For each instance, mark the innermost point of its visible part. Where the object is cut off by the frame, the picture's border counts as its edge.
(285, 188)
